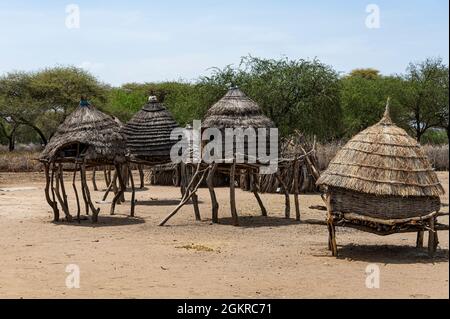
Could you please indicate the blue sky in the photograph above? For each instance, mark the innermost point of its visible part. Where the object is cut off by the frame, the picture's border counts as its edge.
(127, 41)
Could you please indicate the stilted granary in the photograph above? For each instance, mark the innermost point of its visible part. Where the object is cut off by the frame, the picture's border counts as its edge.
(87, 138)
(382, 182)
(234, 110)
(148, 136)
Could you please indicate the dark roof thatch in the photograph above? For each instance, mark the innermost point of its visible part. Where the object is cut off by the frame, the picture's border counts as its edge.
(96, 131)
(148, 132)
(383, 160)
(236, 110)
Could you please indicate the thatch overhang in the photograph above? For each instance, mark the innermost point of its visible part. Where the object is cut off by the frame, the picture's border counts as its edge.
(88, 133)
(148, 133)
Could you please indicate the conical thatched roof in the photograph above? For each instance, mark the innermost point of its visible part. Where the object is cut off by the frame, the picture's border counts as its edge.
(234, 110)
(148, 132)
(98, 132)
(383, 160)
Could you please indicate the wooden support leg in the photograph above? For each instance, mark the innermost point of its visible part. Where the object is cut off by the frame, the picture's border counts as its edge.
(254, 188)
(212, 194)
(419, 241)
(121, 190)
(51, 202)
(74, 186)
(133, 192)
(287, 207)
(432, 238)
(94, 183)
(59, 197)
(141, 176)
(94, 210)
(107, 180)
(110, 187)
(196, 208)
(53, 191)
(296, 190)
(331, 228)
(63, 188)
(233, 194)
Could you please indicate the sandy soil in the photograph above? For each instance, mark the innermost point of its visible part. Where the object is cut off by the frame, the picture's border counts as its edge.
(265, 257)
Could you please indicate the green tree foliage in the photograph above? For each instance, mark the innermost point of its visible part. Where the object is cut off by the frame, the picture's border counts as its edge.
(369, 73)
(425, 96)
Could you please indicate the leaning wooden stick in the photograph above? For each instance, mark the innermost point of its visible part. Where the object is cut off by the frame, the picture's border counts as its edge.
(187, 194)
(287, 207)
(76, 192)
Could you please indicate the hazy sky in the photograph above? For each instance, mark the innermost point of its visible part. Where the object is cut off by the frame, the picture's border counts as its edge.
(126, 41)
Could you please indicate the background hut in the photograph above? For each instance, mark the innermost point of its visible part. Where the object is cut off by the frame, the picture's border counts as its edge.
(86, 138)
(234, 110)
(381, 181)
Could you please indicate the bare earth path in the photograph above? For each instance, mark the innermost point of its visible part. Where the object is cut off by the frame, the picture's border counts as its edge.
(265, 257)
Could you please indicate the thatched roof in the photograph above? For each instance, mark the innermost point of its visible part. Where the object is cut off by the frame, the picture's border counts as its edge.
(98, 132)
(148, 132)
(235, 110)
(383, 160)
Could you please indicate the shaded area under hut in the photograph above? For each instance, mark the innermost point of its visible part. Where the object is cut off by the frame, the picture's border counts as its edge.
(382, 182)
(87, 138)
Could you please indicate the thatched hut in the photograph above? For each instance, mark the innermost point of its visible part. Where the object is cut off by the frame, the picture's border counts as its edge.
(86, 138)
(382, 182)
(148, 134)
(234, 110)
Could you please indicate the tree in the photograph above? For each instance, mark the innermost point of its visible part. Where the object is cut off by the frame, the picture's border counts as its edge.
(364, 100)
(368, 73)
(425, 95)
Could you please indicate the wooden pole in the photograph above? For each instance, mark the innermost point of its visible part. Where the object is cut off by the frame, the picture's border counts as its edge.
(331, 228)
(94, 183)
(121, 190)
(63, 188)
(133, 191)
(254, 188)
(76, 192)
(195, 204)
(111, 185)
(141, 176)
(56, 189)
(52, 203)
(287, 206)
(234, 215)
(419, 241)
(94, 210)
(105, 174)
(212, 194)
(432, 245)
(296, 190)
(187, 194)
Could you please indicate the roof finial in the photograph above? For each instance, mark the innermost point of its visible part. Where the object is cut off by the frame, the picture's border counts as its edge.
(387, 116)
(152, 99)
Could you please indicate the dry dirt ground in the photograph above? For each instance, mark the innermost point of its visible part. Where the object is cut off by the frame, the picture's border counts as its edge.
(263, 258)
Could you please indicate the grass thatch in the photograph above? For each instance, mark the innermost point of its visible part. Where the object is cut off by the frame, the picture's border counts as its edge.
(383, 160)
(95, 131)
(148, 132)
(235, 110)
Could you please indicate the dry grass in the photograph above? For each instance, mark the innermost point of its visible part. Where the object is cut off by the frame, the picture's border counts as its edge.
(196, 247)
(21, 161)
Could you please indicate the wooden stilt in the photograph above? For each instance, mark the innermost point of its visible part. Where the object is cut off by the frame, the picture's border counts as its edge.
(121, 190)
(94, 183)
(287, 206)
(432, 238)
(331, 228)
(234, 215)
(141, 176)
(59, 197)
(94, 210)
(51, 202)
(63, 188)
(419, 241)
(110, 187)
(254, 188)
(125, 179)
(195, 203)
(53, 188)
(296, 190)
(133, 192)
(187, 194)
(212, 193)
(105, 174)
(74, 186)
